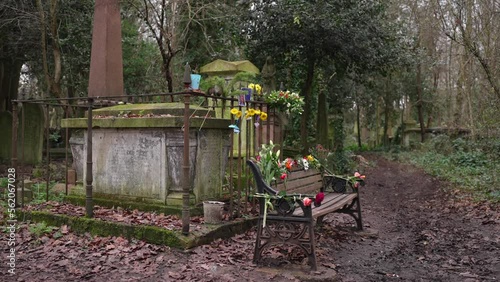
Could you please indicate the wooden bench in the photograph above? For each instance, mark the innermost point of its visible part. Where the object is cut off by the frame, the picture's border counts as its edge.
(289, 222)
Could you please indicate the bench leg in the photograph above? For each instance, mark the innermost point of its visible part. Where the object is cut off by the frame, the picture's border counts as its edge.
(300, 234)
(354, 212)
(359, 220)
(319, 220)
(312, 242)
(258, 242)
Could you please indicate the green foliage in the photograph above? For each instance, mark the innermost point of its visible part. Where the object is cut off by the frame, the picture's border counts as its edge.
(468, 164)
(141, 74)
(40, 193)
(241, 79)
(214, 81)
(355, 148)
(337, 162)
(40, 229)
(3, 182)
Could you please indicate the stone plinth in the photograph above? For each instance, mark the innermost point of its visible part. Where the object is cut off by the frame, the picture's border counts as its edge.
(141, 158)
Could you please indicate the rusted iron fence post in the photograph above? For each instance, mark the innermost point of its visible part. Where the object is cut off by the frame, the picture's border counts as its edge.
(15, 124)
(20, 173)
(47, 152)
(89, 207)
(185, 168)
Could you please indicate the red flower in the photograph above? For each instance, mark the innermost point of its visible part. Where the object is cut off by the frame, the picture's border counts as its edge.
(356, 185)
(307, 201)
(357, 174)
(319, 198)
(258, 158)
(283, 176)
(363, 177)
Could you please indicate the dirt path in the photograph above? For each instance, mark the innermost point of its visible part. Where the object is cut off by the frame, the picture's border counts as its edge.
(414, 233)
(424, 235)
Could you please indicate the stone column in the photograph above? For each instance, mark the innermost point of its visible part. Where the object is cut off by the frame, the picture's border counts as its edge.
(106, 67)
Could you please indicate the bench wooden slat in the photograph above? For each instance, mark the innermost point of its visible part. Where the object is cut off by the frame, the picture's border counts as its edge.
(331, 203)
(337, 204)
(302, 181)
(309, 189)
(294, 183)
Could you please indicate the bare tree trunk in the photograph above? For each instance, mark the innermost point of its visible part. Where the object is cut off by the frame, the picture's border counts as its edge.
(420, 103)
(307, 93)
(358, 121)
(387, 112)
(53, 80)
(162, 26)
(322, 121)
(468, 68)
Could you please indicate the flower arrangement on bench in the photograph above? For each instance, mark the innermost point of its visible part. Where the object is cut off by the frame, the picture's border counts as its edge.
(273, 170)
(291, 222)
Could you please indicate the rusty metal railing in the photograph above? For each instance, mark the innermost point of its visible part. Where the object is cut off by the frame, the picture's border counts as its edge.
(238, 190)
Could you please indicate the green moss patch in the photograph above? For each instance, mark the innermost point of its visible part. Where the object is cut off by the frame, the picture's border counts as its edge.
(150, 234)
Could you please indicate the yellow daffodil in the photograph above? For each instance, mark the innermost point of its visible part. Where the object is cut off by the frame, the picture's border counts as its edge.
(251, 112)
(257, 112)
(236, 112)
(258, 88)
(263, 116)
(310, 158)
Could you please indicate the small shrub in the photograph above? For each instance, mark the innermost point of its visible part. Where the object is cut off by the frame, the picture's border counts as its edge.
(474, 159)
(442, 144)
(40, 193)
(41, 229)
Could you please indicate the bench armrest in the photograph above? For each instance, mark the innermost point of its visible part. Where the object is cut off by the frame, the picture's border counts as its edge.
(262, 187)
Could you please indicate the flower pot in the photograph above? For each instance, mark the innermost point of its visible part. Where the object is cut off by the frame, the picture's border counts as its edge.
(212, 211)
(195, 81)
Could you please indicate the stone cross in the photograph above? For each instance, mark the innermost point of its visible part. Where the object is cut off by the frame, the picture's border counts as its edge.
(106, 67)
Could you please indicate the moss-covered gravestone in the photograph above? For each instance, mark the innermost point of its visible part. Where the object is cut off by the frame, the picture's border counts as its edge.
(34, 121)
(6, 136)
(141, 158)
(33, 135)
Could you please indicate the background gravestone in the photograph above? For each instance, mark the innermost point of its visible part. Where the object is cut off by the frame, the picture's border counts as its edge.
(6, 136)
(33, 134)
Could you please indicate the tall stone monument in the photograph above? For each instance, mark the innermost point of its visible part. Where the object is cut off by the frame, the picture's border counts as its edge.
(106, 66)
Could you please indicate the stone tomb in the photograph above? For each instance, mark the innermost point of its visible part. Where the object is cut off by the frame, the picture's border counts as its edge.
(141, 158)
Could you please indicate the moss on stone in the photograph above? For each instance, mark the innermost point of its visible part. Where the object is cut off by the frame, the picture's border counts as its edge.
(142, 206)
(150, 234)
(146, 122)
(81, 225)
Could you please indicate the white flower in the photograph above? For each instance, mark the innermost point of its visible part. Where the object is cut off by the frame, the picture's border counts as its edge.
(305, 164)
